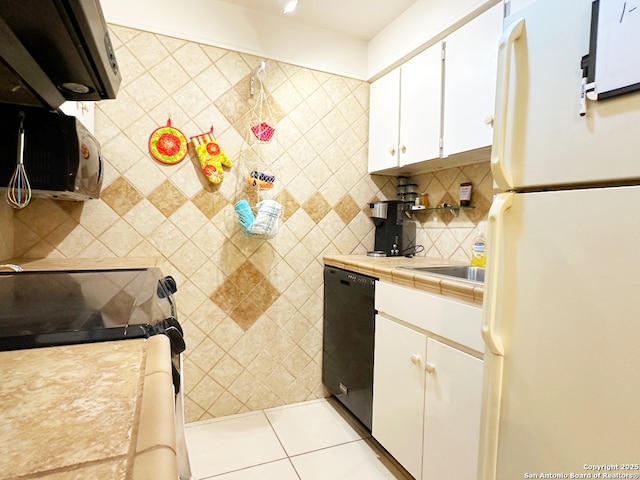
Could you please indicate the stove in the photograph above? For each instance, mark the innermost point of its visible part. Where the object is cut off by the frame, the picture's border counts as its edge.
(52, 308)
(39, 309)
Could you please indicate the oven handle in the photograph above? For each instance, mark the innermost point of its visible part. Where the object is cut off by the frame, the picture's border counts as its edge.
(174, 333)
(177, 342)
(167, 286)
(172, 329)
(175, 377)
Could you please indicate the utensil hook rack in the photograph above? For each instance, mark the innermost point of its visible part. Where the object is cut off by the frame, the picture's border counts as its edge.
(261, 68)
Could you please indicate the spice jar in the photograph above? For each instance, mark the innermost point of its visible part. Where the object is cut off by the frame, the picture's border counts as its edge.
(465, 194)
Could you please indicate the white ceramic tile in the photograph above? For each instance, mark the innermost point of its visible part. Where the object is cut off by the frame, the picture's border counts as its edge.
(231, 443)
(280, 470)
(350, 461)
(309, 426)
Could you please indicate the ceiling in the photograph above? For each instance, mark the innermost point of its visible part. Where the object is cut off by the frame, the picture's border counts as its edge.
(362, 19)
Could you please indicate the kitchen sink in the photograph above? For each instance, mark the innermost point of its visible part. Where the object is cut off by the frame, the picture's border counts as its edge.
(463, 272)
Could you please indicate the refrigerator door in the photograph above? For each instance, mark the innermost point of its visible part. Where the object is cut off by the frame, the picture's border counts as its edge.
(562, 375)
(540, 140)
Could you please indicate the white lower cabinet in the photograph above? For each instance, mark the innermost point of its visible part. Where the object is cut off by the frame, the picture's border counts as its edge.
(451, 413)
(398, 392)
(426, 392)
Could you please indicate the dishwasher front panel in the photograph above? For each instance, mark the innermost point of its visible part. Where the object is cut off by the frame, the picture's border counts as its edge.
(348, 340)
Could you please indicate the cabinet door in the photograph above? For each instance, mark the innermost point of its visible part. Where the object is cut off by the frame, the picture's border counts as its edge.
(421, 106)
(384, 119)
(513, 6)
(470, 82)
(398, 392)
(452, 413)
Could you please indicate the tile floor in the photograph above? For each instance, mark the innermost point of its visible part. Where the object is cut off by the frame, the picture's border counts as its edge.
(314, 440)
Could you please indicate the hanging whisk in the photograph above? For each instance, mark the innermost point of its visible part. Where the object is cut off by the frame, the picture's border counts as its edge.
(19, 191)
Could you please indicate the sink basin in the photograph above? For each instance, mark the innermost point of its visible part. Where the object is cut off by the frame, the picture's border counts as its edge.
(462, 272)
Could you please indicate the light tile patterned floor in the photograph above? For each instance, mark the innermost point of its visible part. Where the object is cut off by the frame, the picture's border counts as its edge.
(315, 440)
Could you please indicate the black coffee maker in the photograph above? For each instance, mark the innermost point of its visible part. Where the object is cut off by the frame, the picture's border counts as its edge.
(388, 219)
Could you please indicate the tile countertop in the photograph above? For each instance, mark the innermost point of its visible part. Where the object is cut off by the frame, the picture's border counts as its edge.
(100, 410)
(81, 263)
(385, 268)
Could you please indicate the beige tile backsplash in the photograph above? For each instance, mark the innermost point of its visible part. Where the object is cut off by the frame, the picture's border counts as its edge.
(251, 309)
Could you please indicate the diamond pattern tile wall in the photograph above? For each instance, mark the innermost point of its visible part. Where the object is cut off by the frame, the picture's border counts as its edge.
(251, 309)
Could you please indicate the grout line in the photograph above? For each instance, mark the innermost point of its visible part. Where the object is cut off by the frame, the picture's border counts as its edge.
(226, 418)
(289, 457)
(217, 475)
(327, 447)
(282, 445)
(275, 433)
(348, 417)
(366, 434)
(353, 422)
(373, 443)
(294, 468)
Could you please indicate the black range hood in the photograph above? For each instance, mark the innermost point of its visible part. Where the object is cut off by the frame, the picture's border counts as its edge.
(52, 51)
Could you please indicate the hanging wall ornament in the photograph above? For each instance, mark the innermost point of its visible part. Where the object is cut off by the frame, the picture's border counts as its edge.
(168, 145)
(262, 120)
(263, 131)
(211, 156)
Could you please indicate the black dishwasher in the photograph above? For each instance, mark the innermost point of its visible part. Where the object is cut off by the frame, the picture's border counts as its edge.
(347, 342)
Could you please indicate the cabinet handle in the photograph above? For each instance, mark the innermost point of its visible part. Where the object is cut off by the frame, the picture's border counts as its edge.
(415, 358)
(488, 120)
(429, 368)
(403, 149)
(392, 151)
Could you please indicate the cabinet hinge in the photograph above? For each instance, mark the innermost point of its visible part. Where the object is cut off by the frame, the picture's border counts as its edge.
(443, 51)
(441, 143)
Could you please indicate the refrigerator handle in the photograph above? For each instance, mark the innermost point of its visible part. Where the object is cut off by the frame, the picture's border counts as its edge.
(509, 36)
(490, 417)
(494, 357)
(492, 340)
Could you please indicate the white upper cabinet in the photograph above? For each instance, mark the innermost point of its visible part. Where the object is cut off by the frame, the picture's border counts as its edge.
(420, 98)
(470, 83)
(404, 113)
(512, 6)
(384, 120)
(418, 122)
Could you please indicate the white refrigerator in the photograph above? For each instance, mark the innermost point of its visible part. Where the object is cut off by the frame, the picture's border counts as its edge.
(561, 317)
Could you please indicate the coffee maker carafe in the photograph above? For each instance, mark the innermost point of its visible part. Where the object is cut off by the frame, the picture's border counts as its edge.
(387, 217)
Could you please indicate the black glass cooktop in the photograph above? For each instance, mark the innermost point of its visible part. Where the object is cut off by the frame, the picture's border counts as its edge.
(58, 308)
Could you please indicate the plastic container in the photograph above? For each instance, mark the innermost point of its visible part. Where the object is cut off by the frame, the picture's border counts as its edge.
(410, 197)
(411, 188)
(478, 252)
(422, 200)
